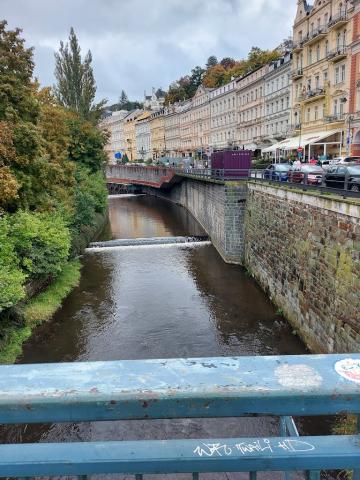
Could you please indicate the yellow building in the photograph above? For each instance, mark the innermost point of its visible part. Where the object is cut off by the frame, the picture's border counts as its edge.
(321, 75)
(129, 134)
(157, 134)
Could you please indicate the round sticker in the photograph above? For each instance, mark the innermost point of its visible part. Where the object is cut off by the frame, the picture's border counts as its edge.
(349, 369)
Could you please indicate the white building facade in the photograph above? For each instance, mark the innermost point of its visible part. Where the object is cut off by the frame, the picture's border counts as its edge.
(143, 139)
(278, 99)
(251, 109)
(115, 126)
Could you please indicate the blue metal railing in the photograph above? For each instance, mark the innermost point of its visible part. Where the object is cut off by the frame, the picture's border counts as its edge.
(183, 388)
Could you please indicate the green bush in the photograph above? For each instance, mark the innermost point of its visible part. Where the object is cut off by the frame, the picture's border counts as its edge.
(90, 198)
(12, 279)
(41, 241)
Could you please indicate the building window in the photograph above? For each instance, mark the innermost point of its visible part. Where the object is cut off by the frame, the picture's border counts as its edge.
(335, 107)
(343, 73)
(318, 53)
(341, 108)
(344, 38)
(337, 75)
(326, 47)
(316, 113)
(308, 115)
(310, 56)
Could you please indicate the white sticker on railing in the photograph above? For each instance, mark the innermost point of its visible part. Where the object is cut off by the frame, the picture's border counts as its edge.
(349, 368)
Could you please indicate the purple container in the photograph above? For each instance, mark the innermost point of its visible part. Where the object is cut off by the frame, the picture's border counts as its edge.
(235, 163)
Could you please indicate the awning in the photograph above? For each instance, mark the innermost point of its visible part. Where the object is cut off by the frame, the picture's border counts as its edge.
(294, 142)
(250, 146)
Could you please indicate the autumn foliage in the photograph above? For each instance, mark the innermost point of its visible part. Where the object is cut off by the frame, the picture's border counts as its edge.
(215, 74)
(51, 159)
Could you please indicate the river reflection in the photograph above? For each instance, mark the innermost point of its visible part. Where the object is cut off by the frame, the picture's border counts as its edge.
(158, 302)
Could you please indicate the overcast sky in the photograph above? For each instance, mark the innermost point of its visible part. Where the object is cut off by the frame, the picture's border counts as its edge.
(137, 44)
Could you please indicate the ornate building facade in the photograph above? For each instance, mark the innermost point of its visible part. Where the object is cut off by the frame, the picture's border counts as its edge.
(321, 72)
(251, 109)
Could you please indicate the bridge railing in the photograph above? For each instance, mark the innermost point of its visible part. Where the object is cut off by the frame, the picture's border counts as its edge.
(136, 173)
(346, 186)
(159, 177)
(183, 388)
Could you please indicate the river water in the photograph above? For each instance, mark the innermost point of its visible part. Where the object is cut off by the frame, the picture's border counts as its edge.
(157, 302)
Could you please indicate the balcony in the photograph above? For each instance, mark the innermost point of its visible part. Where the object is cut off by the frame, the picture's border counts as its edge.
(311, 95)
(317, 34)
(338, 20)
(338, 117)
(338, 54)
(297, 73)
(298, 46)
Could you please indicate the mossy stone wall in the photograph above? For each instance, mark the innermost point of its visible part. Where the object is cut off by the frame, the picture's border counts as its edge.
(304, 250)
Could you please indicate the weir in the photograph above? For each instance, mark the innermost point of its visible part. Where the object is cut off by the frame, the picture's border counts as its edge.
(134, 242)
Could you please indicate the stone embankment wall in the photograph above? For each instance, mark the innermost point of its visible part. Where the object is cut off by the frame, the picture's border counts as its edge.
(304, 250)
(218, 207)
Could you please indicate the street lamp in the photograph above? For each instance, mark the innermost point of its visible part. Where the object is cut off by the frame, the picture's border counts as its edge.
(130, 148)
(348, 135)
(298, 122)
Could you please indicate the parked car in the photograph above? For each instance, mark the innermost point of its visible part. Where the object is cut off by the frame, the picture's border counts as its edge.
(306, 173)
(324, 163)
(335, 177)
(277, 171)
(348, 160)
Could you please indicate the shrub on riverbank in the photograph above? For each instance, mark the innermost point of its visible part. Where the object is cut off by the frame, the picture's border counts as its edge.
(17, 328)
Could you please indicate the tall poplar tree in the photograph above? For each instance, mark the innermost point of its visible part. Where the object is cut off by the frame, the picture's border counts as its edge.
(76, 87)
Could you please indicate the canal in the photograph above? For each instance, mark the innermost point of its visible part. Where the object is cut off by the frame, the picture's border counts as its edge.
(157, 302)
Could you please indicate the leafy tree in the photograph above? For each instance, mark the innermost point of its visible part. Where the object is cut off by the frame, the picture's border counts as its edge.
(86, 145)
(16, 69)
(20, 145)
(123, 100)
(76, 86)
(125, 104)
(214, 76)
(211, 62)
(227, 63)
(160, 93)
(8, 187)
(196, 78)
(185, 87)
(257, 57)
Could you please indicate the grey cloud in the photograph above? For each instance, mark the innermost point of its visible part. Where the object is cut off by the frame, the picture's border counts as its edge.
(137, 44)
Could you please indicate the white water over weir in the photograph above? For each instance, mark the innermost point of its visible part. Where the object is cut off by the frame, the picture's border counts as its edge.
(142, 242)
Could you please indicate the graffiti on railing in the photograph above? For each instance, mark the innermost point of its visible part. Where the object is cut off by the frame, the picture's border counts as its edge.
(256, 446)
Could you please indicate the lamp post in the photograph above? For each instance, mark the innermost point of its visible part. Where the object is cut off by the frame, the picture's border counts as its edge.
(348, 135)
(298, 113)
